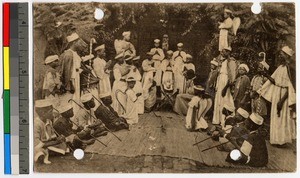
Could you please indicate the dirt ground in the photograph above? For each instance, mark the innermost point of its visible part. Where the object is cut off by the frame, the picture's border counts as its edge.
(96, 163)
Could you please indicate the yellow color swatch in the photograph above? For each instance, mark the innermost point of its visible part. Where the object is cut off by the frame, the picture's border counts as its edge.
(6, 68)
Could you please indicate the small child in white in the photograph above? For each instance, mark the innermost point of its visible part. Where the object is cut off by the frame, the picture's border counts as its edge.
(131, 113)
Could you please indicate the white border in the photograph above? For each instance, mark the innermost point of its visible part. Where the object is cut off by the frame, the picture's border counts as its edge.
(275, 175)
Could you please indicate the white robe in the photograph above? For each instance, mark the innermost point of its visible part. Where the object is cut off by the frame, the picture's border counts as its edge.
(131, 114)
(164, 64)
(219, 100)
(118, 90)
(179, 59)
(282, 128)
(223, 36)
(148, 77)
(138, 88)
(202, 106)
(157, 59)
(104, 82)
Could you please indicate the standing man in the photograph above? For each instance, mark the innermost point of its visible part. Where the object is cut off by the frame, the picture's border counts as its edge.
(138, 87)
(157, 59)
(149, 85)
(165, 43)
(179, 57)
(242, 84)
(102, 72)
(71, 66)
(258, 103)
(125, 45)
(282, 95)
(212, 78)
(226, 78)
(225, 28)
(52, 80)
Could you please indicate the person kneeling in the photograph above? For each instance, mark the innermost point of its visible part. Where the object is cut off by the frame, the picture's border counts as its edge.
(198, 107)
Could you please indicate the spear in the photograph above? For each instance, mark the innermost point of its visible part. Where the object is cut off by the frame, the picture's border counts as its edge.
(96, 119)
(84, 130)
(214, 146)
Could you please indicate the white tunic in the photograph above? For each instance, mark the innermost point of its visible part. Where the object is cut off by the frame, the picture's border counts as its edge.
(104, 82)
(131, 114)
(219, 100)
(157, 59)
(75, 77)
(118, 90)
(224, 28)
(179, 58)
(282, 128)
(138, 88)
(202, 106)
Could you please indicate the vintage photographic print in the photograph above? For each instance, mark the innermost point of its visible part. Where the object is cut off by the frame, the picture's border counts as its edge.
(164, 88)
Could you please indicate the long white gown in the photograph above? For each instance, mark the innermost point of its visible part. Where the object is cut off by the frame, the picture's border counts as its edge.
(179, 58)
(118, 90)
(138, 88)
(157, 59)
(224, 29)
(282, 128)
(219, 100)
(104, 82)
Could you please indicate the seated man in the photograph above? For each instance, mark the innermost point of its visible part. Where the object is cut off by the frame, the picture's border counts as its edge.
(198, 107)
(85, 119)
(63, 126)
(109, 116)
(251, 147)
(182, 100)
(45, 138)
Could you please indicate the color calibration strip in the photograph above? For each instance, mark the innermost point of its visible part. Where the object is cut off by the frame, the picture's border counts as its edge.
(15, 96)
(6, 84)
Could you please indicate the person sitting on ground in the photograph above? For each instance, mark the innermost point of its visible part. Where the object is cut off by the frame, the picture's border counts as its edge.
(198, 107)
(64, 126)
(85, 118)
(251, 148)
(109, 116)
(45, 138)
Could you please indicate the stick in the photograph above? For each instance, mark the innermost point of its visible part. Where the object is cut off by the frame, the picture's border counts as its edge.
(214, 146)
(58, 136)
(85, 131)
(208, 138)
(97, 119)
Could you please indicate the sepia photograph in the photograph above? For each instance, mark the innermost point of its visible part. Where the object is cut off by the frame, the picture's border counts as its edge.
(164, 88)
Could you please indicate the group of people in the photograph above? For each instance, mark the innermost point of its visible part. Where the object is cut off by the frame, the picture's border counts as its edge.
(85, 97)
(244, 111)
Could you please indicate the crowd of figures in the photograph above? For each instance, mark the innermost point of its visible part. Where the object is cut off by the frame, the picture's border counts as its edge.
(85, 97)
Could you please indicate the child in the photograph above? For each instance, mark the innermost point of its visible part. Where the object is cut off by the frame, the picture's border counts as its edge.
(241, 85)
(131, 113)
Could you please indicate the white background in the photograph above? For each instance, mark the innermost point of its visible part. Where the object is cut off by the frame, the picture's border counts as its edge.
(32, 174)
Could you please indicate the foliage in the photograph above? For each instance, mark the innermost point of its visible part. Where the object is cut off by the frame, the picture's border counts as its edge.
(194, 23)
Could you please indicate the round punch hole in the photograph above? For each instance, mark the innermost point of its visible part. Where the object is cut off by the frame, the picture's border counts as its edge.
(78, 154)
